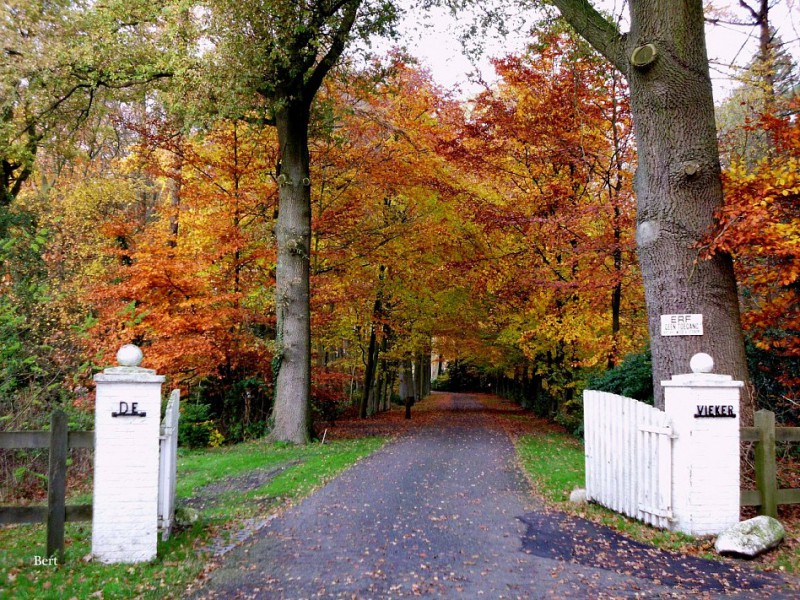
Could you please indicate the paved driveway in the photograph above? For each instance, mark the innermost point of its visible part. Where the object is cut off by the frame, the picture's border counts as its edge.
(445, 512)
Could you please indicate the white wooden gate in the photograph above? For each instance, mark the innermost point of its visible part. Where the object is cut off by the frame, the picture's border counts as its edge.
(168, 461)
(628, 446)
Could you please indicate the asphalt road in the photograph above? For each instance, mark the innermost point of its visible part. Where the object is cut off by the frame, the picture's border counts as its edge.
(445, 512)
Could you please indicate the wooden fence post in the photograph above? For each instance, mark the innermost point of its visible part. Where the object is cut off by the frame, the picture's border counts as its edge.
(766, 478)
(57, 485)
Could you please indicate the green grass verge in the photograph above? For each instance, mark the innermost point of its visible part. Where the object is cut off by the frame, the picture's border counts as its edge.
(180, 559)
(555, 464)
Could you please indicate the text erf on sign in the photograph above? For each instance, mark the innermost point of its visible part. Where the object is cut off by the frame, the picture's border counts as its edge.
(682, 324)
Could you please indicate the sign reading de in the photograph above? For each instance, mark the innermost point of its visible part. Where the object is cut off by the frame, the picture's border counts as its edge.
(682, 324)
(129, 411)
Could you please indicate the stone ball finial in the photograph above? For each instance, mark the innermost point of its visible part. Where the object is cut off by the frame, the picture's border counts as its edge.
(130, 356)
(701, 363)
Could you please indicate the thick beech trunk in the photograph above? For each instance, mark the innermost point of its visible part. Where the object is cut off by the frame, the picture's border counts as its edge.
(677, 184)
(292, 362)
(678, 190)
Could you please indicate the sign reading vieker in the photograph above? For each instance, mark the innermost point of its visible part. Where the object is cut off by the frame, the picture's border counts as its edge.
(691, 324)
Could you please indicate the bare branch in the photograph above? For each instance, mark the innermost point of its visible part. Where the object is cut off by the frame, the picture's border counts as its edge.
(755, 14)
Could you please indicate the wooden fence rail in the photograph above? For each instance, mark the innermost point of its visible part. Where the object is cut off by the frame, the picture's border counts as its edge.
(768, 496)
(56, 513)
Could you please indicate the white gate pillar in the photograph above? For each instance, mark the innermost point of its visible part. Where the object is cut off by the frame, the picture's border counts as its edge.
(704, 408)
(127, 423)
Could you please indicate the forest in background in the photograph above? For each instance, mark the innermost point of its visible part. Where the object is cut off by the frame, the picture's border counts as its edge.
(495, 235)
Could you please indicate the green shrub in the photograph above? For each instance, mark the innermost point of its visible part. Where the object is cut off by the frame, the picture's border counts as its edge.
(239, 431)
(461, 376)
(238, 408)
(195, 426)
(570, 416)
(441, 383)
(775, 380)
(771, 375)
(633, 378)
(246, 409)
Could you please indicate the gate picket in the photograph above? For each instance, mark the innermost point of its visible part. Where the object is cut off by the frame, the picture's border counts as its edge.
(628, 457)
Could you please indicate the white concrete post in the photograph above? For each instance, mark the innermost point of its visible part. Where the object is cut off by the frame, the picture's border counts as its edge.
(127, 424)
(704, 409)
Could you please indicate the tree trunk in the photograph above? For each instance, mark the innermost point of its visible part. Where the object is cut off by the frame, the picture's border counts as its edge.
(614, 192)
(424, 374)
(427, 370)
(292, 361)
(175, 185)
(526, 384)
(390, 389)
(419, 380)
(677, 183)
(407, 386)
(678, 190)
(403, 382)
(765, 60)
(368, 399)
(369, 373)
(537, 391)
(380, 384)
(381, 402)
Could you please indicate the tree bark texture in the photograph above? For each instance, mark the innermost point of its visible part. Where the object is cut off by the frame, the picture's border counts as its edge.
(677, 184)
(402, 382)
(426, 371)
(387, 399)
(407, 386)
(292, 362)
(419, 380)
(407, 380)
(368, 400)
(307, 41)
(369, 372)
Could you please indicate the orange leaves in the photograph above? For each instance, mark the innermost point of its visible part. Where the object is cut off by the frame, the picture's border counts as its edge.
(195, 284)
(504, 225)
(759, 225)
(551, 156)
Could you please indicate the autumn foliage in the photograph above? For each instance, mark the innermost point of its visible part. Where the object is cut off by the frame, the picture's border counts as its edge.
(495, 235)
(550, 157)
(760, 227)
